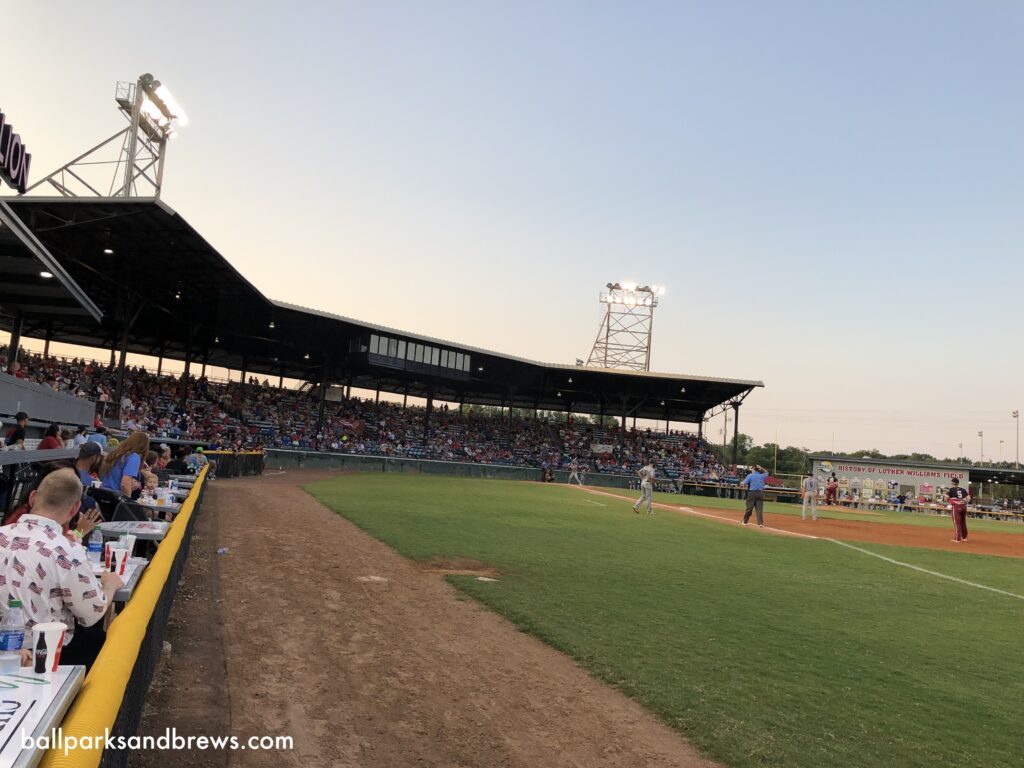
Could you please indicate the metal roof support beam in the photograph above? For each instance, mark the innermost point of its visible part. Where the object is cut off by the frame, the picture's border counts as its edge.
(426, 417)
(123, 352)
(15, 345)
(46, 341)
(736, 431)
(323, 400)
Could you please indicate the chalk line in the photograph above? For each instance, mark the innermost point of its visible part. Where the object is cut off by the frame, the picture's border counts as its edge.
(929, 572)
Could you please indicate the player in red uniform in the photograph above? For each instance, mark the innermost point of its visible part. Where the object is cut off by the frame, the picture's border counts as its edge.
(958, 498)
(831, 489)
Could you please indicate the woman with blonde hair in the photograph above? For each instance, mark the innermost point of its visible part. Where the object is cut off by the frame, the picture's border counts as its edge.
(120, 468)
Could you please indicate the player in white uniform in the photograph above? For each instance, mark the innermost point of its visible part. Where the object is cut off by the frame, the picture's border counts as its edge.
(574, 471)
(646, 487)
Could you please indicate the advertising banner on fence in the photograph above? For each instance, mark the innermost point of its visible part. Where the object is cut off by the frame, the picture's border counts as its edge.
(878, 479)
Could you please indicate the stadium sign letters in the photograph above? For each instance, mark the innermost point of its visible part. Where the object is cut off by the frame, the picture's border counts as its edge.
(14, 159)
(901, 471)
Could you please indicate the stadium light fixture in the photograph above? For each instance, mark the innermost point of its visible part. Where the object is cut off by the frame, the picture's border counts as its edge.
(177, 294)
(306, 356)
(271, 326)
(570, 379)
(46, 275)
(108, 251)
(216, 339)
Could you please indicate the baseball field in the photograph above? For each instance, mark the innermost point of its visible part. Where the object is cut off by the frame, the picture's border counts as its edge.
(859, 640)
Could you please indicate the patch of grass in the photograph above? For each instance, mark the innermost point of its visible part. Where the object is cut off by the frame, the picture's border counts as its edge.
(762, 650)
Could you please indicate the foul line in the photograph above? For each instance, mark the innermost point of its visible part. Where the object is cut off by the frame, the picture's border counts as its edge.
(690, 511)
(947, 577)
(925, 570)
(597, 503)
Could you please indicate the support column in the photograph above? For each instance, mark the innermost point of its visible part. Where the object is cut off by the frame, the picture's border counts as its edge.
(12, 353)
(426, 418)
(245, 366)
(735, 433)
(700, 428)
(160, 361)
(46, 342)
(376, 397)
(122, 355)
(323, 402)
(185, 374)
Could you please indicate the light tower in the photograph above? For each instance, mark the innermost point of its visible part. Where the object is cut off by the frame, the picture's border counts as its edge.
(133, 166)
(624, 338)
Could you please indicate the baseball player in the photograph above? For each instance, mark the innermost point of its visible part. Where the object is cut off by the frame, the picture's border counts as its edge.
(831, 490)
(574, 471)
(958, 498)
(810, 495)
(646, 487)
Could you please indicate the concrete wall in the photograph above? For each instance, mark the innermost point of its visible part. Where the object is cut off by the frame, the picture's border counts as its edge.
(42, 404)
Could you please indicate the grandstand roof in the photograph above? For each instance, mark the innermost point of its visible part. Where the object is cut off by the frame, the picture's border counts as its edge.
(204, 305)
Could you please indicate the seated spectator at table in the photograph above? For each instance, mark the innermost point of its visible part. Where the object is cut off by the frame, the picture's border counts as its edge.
(99, 437)
(196, 461)
(149, 462)
(88, 463)
(150, 482)
(51, 439)
(80, 436)
(120, 468)
(80, 527)
(164, 457)
(52, 577)
(15, 438)
(179, 465)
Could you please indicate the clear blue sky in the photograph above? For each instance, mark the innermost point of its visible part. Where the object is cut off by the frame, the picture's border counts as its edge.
(832, 192)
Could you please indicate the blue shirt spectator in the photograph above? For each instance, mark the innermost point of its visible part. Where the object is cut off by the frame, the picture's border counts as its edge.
(99, 438)
(129, 466)
(755, 481)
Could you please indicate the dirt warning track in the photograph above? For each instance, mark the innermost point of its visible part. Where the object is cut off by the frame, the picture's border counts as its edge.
(309, 627)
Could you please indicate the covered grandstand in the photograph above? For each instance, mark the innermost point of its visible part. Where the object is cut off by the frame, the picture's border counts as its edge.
(109, 286)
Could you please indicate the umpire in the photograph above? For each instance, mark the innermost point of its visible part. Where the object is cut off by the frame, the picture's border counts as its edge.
(754, 483)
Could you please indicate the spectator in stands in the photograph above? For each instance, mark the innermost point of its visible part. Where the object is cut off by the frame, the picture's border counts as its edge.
(99, 437)
(120, 468)
(51, 439)
(52, 577)
(65, 437)
(80, 436)
(179, 465)
(88, 463)
(16, 434)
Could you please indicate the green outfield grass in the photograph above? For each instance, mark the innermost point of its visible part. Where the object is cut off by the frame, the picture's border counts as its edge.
(834, 513)
(762, 650)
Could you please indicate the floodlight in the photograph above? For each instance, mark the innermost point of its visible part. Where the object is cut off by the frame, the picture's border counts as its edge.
(172, 105)
(46, 275)
(628, 286)
(108, 251)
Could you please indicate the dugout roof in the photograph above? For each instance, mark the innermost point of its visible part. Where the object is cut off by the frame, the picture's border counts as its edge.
(179, 298)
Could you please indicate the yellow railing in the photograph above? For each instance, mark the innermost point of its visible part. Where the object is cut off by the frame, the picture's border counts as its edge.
(96, 707)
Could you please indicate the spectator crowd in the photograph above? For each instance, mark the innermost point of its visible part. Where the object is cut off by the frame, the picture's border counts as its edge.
(254, 414)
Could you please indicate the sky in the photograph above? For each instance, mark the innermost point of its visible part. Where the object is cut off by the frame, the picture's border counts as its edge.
(831, 192)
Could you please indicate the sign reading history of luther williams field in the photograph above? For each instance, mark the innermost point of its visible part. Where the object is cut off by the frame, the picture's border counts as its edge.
(15, 160)
(27, 707)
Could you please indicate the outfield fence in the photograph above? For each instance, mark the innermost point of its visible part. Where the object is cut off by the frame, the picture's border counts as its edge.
(114, 692)
(280, 459)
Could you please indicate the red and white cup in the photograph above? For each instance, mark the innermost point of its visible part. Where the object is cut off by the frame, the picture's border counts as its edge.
(108, 553)
(46, 656)
(121, 560)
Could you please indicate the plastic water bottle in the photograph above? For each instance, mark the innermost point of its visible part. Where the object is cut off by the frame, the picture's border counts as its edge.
(96, 546)
(12, 638)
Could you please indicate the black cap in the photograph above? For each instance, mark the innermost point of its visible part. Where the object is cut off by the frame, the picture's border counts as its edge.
(89, 450)
(20, 416)
(956, 480)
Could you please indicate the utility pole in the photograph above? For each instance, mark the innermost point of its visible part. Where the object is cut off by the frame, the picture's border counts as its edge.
(981, 458)
(1016, 460)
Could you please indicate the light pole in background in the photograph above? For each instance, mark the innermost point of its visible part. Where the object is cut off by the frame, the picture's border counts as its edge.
(961, 447)
(1016, 460)
(981, 434)
(1001, 451)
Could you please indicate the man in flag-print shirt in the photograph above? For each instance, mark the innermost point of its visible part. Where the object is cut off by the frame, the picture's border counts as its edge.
(51, 576)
